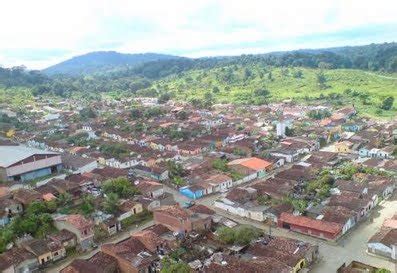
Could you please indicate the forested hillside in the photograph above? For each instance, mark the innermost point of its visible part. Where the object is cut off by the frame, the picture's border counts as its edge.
(102, 61)
(257, 84)
(365, 76)
(374, 57)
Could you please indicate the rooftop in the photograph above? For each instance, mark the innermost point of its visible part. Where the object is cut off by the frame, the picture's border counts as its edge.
(13, 154)
(254, 163)
(333, 228)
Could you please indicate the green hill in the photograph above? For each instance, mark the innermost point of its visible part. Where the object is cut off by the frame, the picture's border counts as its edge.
(362, 75)
(102, 61)
(243, 85)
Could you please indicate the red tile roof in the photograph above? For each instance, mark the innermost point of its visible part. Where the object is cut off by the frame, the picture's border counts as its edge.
(330, 227)
(149, 239)
(201, 209)
(254, 163)
(174, 211)
(77, 220)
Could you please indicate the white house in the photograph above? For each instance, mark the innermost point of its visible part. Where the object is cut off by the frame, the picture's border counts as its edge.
(248, 210)
(384, 243)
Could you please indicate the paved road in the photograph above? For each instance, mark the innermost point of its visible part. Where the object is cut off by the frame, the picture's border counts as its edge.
(351, 247)
(120, 237)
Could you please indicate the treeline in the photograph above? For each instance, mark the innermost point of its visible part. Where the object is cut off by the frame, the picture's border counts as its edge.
(18, 76)
(374, 57)
(39, 84)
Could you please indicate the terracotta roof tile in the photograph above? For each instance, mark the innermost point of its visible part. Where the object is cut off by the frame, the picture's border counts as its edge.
(333, 228)
(253, 163)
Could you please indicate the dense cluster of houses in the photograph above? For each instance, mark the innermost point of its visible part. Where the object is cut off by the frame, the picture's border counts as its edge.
(349, 200)
(192, 229)
(73, 231)
(271, 164)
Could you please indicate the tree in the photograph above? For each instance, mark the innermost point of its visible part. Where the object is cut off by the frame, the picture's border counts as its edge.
(241, 235)
(120, 186)
(175, 169)
(87, 113)
(6, 236)
(299, 205)
(164, 97)
(215, 89)
(387, 103)
(208, 99)
(171, 266)
(64, 199)
(111, 202)
(263, 199)
(36, 208)
(289, 131)
(262, 92)
(321, 80)
(298, 74)
(87, 207)
(245, 234)
(284, 72)
(100, 234)
(324, 65)
(179, 181)
(226, 235)
(247, 73)
(220, 164)
(136, 113)
(153, 112)
(382, 270)
(319, 114)
(270, 76)
(182, 115)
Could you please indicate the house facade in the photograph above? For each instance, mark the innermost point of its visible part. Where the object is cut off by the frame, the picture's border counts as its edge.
(80, 226)
(19, 163)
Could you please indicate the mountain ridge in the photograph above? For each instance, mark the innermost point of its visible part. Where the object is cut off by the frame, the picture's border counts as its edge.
(102, 61)
(371, 56)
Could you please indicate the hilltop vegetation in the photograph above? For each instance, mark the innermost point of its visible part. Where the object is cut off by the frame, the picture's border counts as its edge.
(257, 85)
(374, 57)
(365, 76)
(102, 61)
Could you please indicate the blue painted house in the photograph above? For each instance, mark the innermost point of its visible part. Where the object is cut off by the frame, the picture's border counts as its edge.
(363, 152)
(351, 127)
(4, 220)
(192, 192)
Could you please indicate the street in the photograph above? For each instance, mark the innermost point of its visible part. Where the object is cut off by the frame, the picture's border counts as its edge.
(351, 247)
(118, 238)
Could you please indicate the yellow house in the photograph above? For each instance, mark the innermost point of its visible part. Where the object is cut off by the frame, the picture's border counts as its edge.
(129, 208)
(101, 160)
(299, 265)
(343, 147)
(45, 250)
(10, 133)
(153, 145)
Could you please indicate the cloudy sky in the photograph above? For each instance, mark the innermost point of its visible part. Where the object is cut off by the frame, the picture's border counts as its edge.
(43, 32)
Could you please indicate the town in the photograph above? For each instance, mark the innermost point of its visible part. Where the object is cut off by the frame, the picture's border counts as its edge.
(150, 185)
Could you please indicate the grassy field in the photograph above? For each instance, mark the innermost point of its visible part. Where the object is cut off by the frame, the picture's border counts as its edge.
(235, 84)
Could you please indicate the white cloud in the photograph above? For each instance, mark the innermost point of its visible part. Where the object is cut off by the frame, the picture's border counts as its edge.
(186, 27)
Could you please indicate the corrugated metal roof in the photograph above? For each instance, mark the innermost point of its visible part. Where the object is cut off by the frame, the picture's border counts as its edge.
(13, 154)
